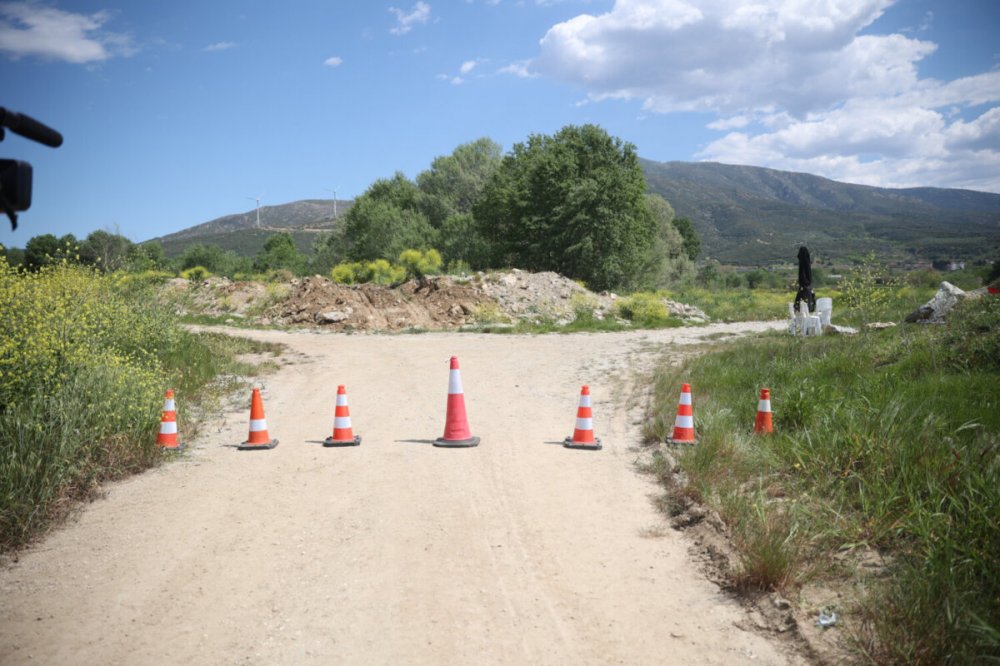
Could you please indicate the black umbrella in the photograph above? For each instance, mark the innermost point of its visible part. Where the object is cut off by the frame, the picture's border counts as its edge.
(805, 292)
(805, 268)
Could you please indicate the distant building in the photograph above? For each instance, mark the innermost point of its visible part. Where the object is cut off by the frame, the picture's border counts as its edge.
(946, 265)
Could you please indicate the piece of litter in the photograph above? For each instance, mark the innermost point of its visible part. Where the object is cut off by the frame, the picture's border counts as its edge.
(826, 619)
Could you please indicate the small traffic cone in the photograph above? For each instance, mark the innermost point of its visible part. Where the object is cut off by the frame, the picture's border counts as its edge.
(684, 423)
(456, 425)
(167, 437)
(258, 438)
(583, 434)
(763, 421)
(342, 433)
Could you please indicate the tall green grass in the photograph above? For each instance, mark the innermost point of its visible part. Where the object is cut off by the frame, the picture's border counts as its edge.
(745, 304)
(85, 359)
(888, 442)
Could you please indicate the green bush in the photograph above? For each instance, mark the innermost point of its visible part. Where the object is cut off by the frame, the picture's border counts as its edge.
(643, 309)
(85, 358)
(420, 264)
(196, 274)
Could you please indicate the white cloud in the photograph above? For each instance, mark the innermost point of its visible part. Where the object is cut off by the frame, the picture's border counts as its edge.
(334, 61)
(405, 21)
(803, 87)
(519, 68)
(221, 46)
(467, 66)
(29, 29)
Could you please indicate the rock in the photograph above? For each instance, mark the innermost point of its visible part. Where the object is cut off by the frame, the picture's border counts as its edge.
(332, 317)
(936, 310)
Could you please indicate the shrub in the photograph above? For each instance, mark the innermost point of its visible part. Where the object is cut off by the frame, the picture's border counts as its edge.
(420, 264)
(643, 309)
(196, 274)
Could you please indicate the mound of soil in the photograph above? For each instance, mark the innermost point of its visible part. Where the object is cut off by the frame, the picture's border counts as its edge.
(434, 303)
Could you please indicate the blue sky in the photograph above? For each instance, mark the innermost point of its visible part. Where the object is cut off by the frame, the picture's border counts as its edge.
(174, 113)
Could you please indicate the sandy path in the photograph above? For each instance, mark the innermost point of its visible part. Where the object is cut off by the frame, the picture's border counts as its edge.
(518, 551)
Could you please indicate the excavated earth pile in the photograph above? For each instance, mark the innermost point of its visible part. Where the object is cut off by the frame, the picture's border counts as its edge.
(434, 303)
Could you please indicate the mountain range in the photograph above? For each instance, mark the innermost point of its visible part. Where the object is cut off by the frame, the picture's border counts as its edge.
(743, 214)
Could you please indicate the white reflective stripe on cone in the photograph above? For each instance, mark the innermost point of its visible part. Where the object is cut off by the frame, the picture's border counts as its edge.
(454, 382)
(168, 406)
(585, 424)
(341, 400)
(256, 425)
(764, 406)
(342, 422)
(585, 400)
(684, 422)
(168, 427)
(685, 399)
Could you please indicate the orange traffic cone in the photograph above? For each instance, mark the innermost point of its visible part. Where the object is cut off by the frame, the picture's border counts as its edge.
(342, 433)
(258, 438)
(583, 434)
(684, 423)
(456, 425)
(763, 422)
(167, 437)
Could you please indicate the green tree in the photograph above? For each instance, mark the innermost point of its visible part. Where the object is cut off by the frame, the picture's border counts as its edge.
(386, 220)
(573, 203)
(667, 261)
(13, 255)
(279, 252)
(454, 182)
(108, 251)
(146, 256)
(40, 251)
(214, 259)
(692, 244)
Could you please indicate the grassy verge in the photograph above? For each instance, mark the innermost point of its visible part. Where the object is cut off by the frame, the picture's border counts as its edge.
(84, 362)
(744, 304)
(887, 442)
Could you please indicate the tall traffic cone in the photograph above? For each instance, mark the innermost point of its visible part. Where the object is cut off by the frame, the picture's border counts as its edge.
(258, 438)
(684, 423)
(342, 433)
(167, 437)
(763, 422)
(456, 425)
(583, 434)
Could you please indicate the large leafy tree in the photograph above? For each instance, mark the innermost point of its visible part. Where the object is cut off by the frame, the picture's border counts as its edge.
(454, 182)
(667, 260)
(279, 252)
(108, 251)
(572, 203)
(692, 243)
(386, 220)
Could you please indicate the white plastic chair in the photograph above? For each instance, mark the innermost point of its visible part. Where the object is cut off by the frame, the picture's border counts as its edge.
(809, 323)
(793, 320)
(824, 308)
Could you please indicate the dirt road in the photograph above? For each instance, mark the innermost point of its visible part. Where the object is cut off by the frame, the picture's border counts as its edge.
(519, 551)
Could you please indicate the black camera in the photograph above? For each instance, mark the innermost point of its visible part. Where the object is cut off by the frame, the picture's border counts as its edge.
(15, 175)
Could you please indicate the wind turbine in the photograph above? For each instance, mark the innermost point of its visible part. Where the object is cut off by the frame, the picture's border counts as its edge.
(257, 199)
(334, 190)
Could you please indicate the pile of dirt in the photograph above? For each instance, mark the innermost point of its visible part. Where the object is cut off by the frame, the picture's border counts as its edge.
(434, 303)
(221, 296)
(543, 296)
